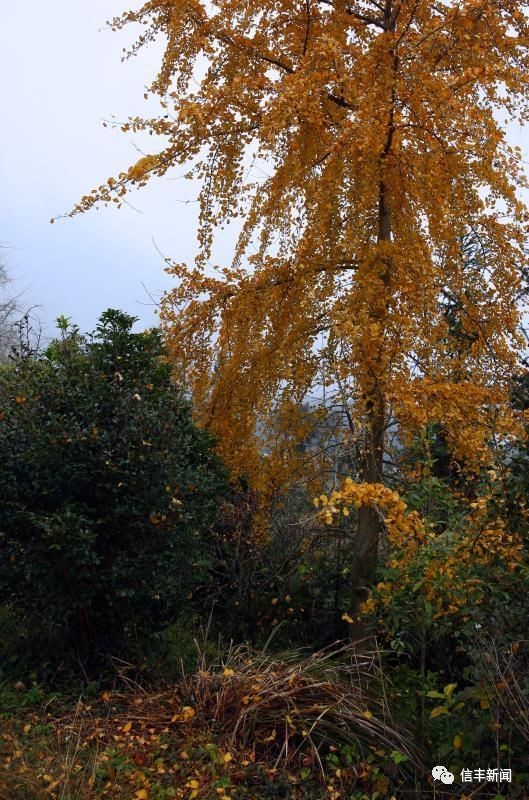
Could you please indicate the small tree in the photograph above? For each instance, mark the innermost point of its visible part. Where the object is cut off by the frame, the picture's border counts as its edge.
(9, 309)
(20, 327)
(108, 490)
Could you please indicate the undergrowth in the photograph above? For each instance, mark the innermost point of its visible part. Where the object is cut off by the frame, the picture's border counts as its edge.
(250, 726)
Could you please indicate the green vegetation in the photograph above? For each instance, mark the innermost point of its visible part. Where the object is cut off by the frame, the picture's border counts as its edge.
(130, 566)
(109, 495)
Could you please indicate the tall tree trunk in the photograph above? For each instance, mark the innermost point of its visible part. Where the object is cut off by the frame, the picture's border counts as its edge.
(371, 468)
(84, 632)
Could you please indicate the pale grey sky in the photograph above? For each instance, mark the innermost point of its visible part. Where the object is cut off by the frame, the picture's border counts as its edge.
(61, 76)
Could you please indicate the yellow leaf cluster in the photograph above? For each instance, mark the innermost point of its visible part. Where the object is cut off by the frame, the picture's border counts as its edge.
(445, 583)
(405, 529)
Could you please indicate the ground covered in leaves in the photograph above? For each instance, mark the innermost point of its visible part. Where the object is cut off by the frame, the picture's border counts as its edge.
(251, 729)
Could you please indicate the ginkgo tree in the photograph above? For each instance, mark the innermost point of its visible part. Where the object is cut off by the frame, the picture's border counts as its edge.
(355, 142)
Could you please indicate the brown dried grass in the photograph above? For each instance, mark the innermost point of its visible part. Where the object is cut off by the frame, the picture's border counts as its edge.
(288, 703)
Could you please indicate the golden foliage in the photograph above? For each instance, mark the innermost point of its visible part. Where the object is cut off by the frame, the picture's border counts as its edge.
(356, 142)
(451, 570)
(404, 529)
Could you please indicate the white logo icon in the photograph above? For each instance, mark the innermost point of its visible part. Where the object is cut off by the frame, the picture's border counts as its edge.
(442, 774)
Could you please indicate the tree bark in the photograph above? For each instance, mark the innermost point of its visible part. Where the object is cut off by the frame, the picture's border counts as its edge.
(370, 526)
(85, 633)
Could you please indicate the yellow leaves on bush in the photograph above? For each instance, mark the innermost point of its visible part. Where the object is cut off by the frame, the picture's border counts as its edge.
(438, 711)
(404, 529)
(443, 583)
(444, 573)
(368, 606)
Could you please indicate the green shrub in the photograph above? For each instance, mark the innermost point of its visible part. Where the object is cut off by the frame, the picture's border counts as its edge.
(450, 615)
(109, 492)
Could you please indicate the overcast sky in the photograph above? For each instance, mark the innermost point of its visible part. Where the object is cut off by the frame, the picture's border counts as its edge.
(61, 77)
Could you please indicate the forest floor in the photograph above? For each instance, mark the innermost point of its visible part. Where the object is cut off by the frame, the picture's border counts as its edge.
(138, 745)
(249, 731)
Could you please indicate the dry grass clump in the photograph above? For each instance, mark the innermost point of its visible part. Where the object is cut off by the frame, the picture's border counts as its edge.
(286, 704)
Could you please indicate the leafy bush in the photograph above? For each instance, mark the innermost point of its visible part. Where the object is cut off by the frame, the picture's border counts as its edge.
(441, 609)
(293, 584)
(109, 492)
